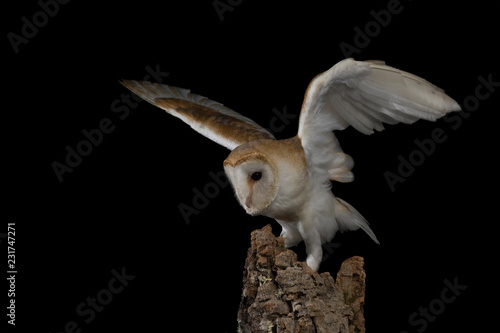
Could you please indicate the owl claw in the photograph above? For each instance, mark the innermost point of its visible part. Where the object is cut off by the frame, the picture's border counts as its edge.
(313, 263)
(290, 238)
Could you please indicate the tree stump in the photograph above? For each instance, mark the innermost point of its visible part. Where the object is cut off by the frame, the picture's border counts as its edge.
(283, 295)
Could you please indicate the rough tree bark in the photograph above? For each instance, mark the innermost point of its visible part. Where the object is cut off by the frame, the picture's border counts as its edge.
(283, 295)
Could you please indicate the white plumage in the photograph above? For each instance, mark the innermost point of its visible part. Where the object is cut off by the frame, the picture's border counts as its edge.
(289, 180)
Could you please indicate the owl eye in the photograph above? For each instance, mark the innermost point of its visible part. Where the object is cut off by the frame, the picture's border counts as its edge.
(256, 176)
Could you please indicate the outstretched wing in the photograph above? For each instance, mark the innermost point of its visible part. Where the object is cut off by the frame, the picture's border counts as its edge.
(211, 119)
(362, 94)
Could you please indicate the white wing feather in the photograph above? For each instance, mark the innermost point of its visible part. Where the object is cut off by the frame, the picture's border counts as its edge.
(362, 94)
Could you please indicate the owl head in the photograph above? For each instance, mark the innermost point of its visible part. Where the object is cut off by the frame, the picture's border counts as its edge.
(253, 177)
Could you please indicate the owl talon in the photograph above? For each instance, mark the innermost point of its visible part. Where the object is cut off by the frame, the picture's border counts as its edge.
(313, 263)
(314, 254)
(290, 238)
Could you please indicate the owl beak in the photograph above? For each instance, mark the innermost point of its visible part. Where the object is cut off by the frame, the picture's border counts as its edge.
(248, 201)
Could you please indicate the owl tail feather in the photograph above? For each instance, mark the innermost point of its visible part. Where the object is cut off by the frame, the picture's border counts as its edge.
(348, 218)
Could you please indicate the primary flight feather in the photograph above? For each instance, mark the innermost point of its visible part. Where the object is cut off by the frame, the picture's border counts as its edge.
(289, 180)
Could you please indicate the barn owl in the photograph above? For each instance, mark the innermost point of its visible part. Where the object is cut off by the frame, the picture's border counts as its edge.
(290, 180)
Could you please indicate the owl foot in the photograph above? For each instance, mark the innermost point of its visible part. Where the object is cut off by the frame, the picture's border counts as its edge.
(313, 263)
(314, 254)
(292, 237)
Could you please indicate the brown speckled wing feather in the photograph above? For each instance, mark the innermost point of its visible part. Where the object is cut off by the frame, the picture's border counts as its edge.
(211, 119)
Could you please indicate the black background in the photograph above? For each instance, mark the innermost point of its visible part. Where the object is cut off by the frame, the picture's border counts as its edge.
(119, 208)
